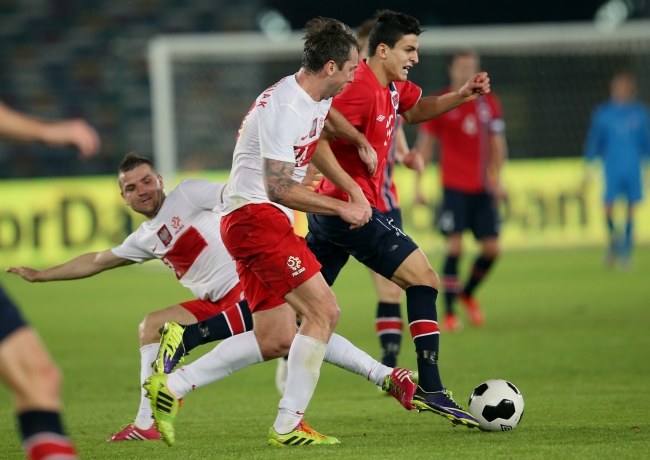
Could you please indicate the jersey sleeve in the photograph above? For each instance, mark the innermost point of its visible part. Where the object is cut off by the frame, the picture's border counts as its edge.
(279, 130)
(409, 95)
(352, 102)
(202, 193)
(497, 124)
(131, 250)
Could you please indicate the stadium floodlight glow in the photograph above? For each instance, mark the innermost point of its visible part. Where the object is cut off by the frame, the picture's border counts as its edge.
(548, 75)
(612, 14)
(274, 25)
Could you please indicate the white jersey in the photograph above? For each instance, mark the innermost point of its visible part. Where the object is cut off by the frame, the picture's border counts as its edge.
(185, 235)
(283, 124)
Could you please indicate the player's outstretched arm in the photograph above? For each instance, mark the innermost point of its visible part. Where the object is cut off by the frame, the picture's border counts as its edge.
(76, 132)
(431, 106)
(83, 266)
(337, 125)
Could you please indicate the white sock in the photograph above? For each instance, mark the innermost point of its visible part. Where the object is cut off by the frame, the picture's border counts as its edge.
(305, 359)
(148, 353)
(232, 354)
(342, 353)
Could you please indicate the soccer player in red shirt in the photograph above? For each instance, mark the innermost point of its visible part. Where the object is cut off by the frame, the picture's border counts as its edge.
(389, 324)
(472, 151)
(380, 91)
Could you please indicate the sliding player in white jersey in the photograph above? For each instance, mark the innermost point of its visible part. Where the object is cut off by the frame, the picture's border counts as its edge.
(183, 232)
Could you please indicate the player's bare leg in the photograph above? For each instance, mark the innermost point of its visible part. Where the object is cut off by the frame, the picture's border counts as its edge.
(314, 301)
(142, 428)
(26, 367)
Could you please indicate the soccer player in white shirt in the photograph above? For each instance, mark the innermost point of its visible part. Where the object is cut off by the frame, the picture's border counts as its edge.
(183, 231)
(280, 276)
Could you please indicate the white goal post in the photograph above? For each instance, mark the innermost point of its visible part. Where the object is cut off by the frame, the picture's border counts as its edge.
(548, 77)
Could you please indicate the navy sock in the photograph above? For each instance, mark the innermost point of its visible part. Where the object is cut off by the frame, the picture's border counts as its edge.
(450, 282)
(232, 321)
(423, 324)
(389, 329)
(482, 266)
(43, 435)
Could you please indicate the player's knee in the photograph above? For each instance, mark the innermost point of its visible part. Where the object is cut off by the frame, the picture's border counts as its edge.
(149, 330)
(326, 315)
(275, 347)
(333, 317)
(491, 250)
(46, 381)
(433, 279)
(392, 293)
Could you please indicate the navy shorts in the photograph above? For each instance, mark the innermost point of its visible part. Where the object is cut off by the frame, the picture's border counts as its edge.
(477, 212)
(10, 317)
(379, 245)
(394, 216)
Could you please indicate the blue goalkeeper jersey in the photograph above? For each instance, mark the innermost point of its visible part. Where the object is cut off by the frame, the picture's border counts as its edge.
(620, 135)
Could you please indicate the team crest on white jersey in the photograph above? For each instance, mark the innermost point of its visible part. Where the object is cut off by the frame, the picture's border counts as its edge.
(295, 264)
(164, 235)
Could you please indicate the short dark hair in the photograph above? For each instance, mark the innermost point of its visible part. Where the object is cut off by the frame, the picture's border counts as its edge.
(326, 39)
(390, 27)
(132, 160)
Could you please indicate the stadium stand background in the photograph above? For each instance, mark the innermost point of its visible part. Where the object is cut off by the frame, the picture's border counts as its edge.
(88, 59)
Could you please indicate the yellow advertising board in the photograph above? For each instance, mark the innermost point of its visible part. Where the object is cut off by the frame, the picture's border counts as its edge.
(48, 221)
(549, 203)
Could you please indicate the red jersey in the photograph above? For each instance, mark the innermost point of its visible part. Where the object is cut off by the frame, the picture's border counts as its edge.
(387, 200)
(463, 134)
(373, 110)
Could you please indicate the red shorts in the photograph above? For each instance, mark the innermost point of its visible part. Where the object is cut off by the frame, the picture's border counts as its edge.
(271, 259)
(203, 309)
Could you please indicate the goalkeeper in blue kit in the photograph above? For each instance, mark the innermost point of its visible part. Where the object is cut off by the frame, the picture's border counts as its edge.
(619, 134)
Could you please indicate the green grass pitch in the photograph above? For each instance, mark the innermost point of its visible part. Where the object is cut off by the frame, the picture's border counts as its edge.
(573, 336)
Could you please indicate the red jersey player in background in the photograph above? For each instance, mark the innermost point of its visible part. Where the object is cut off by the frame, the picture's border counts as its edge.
(472, 151)
(380, 91)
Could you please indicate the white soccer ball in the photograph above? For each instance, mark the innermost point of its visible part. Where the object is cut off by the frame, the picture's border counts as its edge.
(497, 405)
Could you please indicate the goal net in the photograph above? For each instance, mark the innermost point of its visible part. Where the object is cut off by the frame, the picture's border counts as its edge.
(548, 77)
